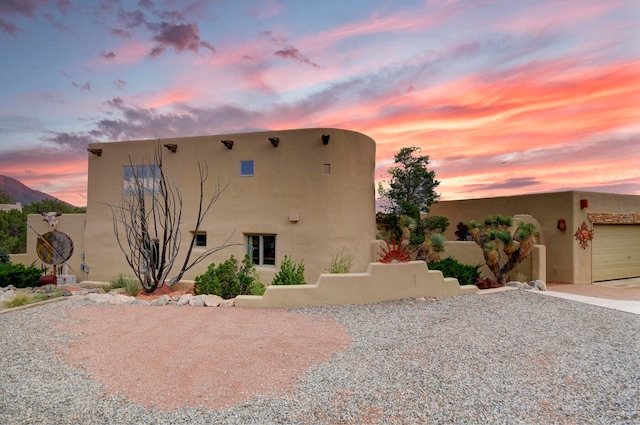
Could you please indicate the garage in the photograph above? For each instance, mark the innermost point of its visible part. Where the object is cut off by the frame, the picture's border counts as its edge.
(616, 251)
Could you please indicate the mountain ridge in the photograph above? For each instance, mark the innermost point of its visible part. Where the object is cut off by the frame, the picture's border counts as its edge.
(22, 193)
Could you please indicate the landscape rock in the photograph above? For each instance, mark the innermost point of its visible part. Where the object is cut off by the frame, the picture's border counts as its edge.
(163, 300)
(117, 291)
(7, 295)
(519, 285)
(184, 299)
(539, 284)
(212, 300)
(228, 303)
(197, 301)
(119, 299)
(99, 298)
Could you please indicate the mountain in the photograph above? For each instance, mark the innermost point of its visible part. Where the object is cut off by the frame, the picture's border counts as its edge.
(22, 193)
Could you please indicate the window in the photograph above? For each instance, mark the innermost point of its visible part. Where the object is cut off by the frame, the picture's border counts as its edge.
(246, 168)
(141, 176)
(262, 249)
(326, 168)
(201, 239)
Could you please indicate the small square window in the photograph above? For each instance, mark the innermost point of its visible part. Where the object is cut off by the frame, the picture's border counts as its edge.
(246, 167)
(326, 168)
(200, 239)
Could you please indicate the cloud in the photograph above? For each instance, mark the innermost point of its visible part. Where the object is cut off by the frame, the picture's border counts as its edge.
(179, 36)
(17, 8)
(120, 84)
(70, 141)
(146, 4)
(108, 55)
(57, 25)
(82, 87)
(290, 52)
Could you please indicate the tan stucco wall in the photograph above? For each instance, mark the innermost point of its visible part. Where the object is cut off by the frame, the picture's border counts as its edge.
(381, 282)
(9, 207)
(566, 261)
(71, 224)
(336, 212)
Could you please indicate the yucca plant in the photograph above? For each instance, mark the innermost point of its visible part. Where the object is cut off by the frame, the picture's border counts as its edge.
(493, 235)
(436, 246)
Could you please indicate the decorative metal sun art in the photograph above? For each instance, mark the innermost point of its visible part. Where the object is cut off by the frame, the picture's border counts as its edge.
(394, 252)
(583, 235)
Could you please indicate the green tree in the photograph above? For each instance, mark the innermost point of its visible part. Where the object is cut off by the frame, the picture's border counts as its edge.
(13, 232)
(412, 186)
(494, 237)
(47, 205)
(6, 198)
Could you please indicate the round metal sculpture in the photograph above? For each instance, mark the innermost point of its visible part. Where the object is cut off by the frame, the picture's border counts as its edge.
(54, 247)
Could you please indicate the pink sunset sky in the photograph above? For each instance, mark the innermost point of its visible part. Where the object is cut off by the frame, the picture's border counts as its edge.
(506, 97)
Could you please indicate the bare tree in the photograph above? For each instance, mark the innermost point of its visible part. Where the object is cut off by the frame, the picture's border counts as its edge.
(147, 222)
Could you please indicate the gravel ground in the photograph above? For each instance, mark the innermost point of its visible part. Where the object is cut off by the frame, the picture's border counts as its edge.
(506, 358)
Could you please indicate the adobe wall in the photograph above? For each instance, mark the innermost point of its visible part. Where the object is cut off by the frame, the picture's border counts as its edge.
(314, 215)
(567, 262)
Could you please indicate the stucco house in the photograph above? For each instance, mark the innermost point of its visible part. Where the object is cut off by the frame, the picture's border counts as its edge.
(611, 220)
(308, 194)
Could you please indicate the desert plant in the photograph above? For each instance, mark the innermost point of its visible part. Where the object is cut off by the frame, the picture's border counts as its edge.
(436, 246)
(463, 232)
(230, 279)
(19, 275)
(494, 236)
(450, 267)
(18, 300)
(340, 263)
(291, 273)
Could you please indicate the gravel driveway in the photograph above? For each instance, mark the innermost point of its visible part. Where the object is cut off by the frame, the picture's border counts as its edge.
(506, 358)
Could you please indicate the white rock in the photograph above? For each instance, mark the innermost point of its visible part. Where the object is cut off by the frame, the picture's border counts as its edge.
(119, 299)
(7, 295)
(228, 303)
(539, 285)
(99, 298)
(163, 300)
(184, 299)
(197, 301)
(212, 300)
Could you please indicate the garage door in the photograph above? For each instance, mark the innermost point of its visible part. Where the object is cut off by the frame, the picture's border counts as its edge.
(616, 251)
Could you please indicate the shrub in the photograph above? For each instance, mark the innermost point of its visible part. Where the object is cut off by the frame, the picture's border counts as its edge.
(340, 264)
(4, 257)
(19, 275)
(230, 279)
(450, 267)
(20, 299)
(291, 273)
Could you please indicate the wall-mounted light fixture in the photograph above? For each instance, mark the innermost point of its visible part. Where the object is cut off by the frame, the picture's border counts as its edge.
(95, 151)
(274, 141)
(228, 143)
(325, 138)
(172, 147)
(562, 224)
(584, 204)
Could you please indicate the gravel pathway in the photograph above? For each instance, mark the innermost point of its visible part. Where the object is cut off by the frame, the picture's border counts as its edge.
(506, 358)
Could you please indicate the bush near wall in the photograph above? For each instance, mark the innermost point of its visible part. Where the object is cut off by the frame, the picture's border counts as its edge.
(450, 267)
(19, 275)
(230, 279)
